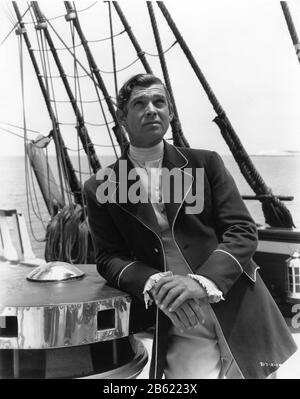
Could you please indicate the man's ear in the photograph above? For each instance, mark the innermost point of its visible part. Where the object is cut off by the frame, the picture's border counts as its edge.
(121, 116)
(171, 116)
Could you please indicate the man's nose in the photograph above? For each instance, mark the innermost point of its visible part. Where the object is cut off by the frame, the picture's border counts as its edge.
(150, 110)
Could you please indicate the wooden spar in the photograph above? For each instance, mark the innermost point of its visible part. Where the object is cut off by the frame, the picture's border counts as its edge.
(140, 52)
(61, 150)
(118, 130)
(178, 137)
(275, 212)
(291, 27)
(112, 47)
(82, 131)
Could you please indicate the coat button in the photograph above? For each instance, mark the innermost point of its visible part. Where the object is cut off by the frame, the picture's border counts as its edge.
(156, 250)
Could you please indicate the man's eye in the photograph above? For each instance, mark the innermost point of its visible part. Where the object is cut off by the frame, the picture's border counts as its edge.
(161, 102)
(138, 103)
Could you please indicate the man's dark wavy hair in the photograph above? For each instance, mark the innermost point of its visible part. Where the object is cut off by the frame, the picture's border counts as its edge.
(143, 80)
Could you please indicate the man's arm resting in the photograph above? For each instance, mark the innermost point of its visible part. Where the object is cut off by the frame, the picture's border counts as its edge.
(113, 258)
(235, 229)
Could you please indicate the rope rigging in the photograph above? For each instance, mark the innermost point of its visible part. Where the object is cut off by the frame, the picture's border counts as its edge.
(275, 212)
(178, 136)
(118, 130)
(66, 175)
(27, 178)
(82, 131)
(88, 41)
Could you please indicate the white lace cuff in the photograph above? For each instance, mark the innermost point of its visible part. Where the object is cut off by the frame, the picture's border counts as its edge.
(152, 280)
(213, 293)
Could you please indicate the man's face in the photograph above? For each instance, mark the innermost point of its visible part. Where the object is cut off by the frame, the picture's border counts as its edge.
(148, 115)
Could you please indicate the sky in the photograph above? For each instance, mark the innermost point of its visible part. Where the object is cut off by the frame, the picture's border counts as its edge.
(243, 47)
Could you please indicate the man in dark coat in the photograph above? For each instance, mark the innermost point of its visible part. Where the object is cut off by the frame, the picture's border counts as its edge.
(169, 227)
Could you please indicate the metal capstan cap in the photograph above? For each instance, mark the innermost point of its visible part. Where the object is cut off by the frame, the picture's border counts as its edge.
(55, 271)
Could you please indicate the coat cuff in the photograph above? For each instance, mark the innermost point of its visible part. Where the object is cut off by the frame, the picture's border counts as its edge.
(214, 295)
(222, 268)
(150, 283)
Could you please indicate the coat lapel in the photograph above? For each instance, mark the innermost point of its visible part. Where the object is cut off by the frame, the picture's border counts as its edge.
(174, 190)
(174, 161)
(142, 211)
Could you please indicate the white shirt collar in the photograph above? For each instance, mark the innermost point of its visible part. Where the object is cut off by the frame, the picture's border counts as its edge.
(143, 155)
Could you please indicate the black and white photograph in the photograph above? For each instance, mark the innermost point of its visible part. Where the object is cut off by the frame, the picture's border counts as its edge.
(149, 192)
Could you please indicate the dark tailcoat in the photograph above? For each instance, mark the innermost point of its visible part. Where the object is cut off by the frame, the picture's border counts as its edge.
(218, 243)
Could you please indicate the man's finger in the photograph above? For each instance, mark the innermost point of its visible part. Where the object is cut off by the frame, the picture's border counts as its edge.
(183, 319)
(161, 282)
(160, 294)
(169, 298)
(193, 321)
(197, 310)
(178, 302)
(175, 320)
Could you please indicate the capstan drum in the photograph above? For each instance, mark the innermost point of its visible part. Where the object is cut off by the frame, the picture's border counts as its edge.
(60, 321)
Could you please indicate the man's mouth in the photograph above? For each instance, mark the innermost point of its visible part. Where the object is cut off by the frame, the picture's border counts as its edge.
(152, 123)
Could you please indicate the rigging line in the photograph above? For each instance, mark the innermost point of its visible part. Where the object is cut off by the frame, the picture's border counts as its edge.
(87, 123)
(96, 145)
(61, 163)
(79, 63)
(48, 180)
(103, 113)
(13, 28)
(82, 131)
(107, 38)
(9, 14)
(60, 154)
(163, 52)
(77, 86)
(99, 124)
(63, 15)
(134, 42)
(20, 127)
(113, 48)
(79, 101)
(75, 149)
(55, 132)
(38, 216)
(58, 48)
(121, 69)
(179, 139)
(27, 183)
(68, 76)
(89, 41)
(15, 134)
(100, 84)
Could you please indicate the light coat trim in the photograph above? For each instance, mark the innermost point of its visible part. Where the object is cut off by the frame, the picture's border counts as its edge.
(122, 271)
